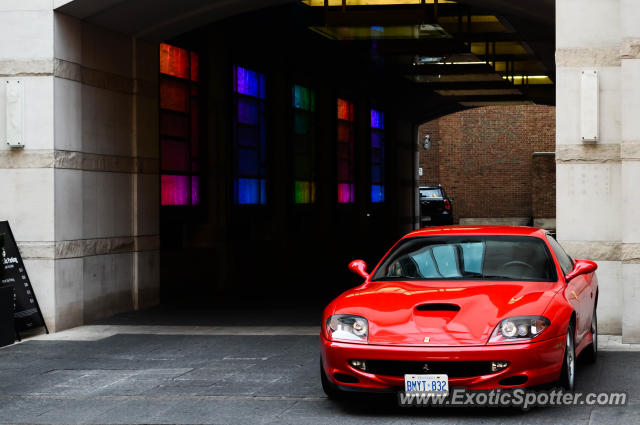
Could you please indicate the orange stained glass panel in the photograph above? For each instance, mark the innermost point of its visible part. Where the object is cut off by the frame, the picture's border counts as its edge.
(345, 110)
(174, 61)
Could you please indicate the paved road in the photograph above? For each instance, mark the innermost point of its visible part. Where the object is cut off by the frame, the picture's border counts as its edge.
(227, 379)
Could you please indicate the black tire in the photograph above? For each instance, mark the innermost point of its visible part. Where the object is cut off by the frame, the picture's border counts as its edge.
(568, 375)
(329, 388)
(591, 352)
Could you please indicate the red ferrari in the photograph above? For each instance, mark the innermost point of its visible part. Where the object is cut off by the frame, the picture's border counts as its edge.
(478, 307)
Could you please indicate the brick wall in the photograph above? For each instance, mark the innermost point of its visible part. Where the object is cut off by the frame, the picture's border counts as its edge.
(484, 159)
(430, 160)
(543, 185)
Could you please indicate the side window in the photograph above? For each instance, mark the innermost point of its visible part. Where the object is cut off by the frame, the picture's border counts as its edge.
(447, 260)
(566, 264)
(473, 255)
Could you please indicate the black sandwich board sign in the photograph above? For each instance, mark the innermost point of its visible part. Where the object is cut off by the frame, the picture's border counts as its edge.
(26, 311)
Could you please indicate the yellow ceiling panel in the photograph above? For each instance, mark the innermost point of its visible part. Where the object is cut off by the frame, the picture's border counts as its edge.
(502, 48)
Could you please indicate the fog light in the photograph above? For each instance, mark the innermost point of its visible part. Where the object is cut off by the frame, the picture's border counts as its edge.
(498, 366)
(359, 364)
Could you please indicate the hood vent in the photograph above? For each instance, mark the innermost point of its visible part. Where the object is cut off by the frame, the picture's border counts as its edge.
(438, 307)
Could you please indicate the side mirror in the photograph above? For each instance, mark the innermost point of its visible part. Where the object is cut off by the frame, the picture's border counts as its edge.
(581, 267)
(359, 267)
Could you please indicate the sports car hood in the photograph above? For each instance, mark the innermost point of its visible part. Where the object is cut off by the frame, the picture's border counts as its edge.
(449, 313)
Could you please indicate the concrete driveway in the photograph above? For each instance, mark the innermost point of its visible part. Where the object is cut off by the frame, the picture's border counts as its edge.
(190, 374)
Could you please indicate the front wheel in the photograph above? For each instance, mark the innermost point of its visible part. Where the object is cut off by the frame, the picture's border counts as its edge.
(329, 388)
(568, 374)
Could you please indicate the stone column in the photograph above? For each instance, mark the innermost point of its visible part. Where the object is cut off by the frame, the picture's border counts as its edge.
(26, 175)
(590, 217)
(630, 168)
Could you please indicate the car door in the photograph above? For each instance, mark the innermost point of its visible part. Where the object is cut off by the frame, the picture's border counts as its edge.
(576, 291)
(579, 289)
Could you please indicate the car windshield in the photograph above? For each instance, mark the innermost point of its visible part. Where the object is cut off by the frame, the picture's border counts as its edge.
(431, 193)
(523, 258)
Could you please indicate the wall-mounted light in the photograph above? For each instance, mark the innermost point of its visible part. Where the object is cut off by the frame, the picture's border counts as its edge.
(14, 95)
(589, 107)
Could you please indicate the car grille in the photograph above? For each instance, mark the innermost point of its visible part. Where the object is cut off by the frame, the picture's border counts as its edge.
(459, 369)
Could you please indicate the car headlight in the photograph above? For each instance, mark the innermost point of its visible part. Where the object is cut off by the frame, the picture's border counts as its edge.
(520, 328)
(347, 327)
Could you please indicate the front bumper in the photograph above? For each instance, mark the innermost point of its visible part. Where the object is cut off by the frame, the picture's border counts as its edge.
(540, 362)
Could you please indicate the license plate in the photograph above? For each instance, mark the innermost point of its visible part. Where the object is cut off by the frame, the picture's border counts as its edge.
(426, 218)
(435, 384)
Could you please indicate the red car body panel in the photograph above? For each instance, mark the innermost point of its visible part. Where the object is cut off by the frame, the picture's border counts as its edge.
(397, 330)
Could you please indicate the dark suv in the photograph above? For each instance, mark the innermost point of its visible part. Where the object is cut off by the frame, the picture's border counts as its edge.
(435, 206)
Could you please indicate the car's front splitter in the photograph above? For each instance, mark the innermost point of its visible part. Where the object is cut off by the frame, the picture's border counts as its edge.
(540, 362)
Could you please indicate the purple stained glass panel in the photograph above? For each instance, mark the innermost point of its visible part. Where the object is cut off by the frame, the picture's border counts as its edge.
(195, 190)
(377, 119)
(249, 82)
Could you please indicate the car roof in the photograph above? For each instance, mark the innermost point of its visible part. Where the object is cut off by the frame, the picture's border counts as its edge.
(478, 230)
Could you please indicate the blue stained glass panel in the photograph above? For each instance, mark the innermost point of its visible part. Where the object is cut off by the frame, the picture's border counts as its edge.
(248, 112)
(377, 139)
(300, 97)
(248, 136)
(263, 86)
(377, 193)
(250, 191)
(377, 119)
(376, 156)
(376, 173)
(247, 162)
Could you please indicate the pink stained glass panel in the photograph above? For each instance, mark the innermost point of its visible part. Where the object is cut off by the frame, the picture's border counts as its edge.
(345, 193)
(175, 190)
(195, 130)
(173, 125)
(194, 66)
(343, 171)
(175, 155)
(345, 132)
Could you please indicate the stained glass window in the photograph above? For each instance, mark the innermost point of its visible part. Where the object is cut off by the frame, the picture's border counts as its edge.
(304, 105)
(250, 137)
(179, 126)
(377, 156)
(346, 159)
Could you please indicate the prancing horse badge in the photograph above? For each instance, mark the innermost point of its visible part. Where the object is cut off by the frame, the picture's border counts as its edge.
(426, 339)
